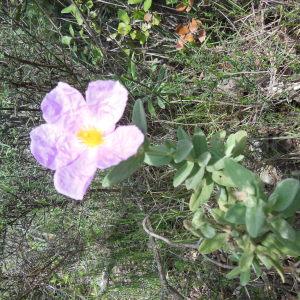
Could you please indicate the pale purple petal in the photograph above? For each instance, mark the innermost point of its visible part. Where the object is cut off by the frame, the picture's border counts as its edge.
(52, 148)
(74, 179)
(63, 98)
(107, 100)
(82, 118)
(119, 145)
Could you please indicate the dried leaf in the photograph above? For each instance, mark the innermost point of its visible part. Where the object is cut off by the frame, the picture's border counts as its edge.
(180, 44)
(182, 29)
(202, 35)
(148, 17)
(194, 25)
(181, 7)
(189, 37)
(189, 31)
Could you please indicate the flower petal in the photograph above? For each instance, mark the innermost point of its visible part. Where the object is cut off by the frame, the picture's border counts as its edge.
(119, 145)
(82, 118)
(51, 148)
(61, 99)
(74, 179)
(107, 99)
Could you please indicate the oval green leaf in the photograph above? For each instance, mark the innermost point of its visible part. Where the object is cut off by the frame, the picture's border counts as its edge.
(139, 116)
(123, 170)
(183, 173)
(210, 245)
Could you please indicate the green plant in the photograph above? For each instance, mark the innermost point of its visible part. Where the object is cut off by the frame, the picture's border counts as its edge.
(255, 229)
(81, 12)
(136, 23)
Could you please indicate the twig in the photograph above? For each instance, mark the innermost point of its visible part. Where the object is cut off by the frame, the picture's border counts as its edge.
(157, 257)
(181, 246)
(166, 240)
(160, 268)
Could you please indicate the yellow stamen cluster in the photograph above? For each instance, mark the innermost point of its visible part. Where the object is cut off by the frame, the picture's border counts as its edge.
(91, 137)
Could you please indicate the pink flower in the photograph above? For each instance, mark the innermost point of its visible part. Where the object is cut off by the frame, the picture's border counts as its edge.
(81, 136)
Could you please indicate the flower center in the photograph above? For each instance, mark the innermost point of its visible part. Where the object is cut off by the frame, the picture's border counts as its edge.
(91, 137)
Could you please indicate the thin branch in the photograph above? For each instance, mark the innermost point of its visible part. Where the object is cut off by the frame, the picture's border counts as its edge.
(181, 246)
(160, 268)
(166, 240)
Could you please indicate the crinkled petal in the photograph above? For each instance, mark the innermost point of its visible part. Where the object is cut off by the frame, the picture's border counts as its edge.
(74, 179)
(82, 119)
(63, 98)
(51, 148)
(119, 145)
(107, 100)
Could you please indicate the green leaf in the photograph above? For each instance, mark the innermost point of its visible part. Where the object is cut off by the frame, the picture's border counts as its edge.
(239, 175)
(123, 170)
(143, 36)
(217, 165)
(156, 20)
(286, 193)
(147, 5)
(217, 144)
(158, 155)
(202, 194)
(134, 1)
(291, 248)
(286, 247)
(270, 262)
(207, 230)
(151, 108)
(184, 148)
(133, 34)
(71, 30)
(161, 103)
(66, 40)
(189, 226)
(255, 219)
(204, 159)
(210, 245)
(183, 173)
(124, 28)
(89, 4)
(78, 17)
(245, 277)
(139, 116)
(138, 15)
(236, 143)
(265, 260)
(233, 273)
(245, 261)
(194, 181)
(236, 214)
(222, 198)
(132, 68)
(181, 134)
(279, 269)
(69, 9)
(283, 228)
(221, 179)
(123, 16)
(198, 219)
(256, 267)
(199, 142)
(152, 159)
(218, 215)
